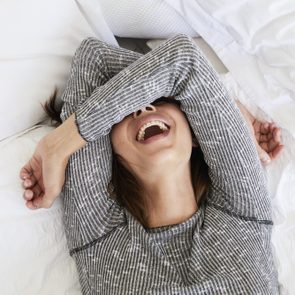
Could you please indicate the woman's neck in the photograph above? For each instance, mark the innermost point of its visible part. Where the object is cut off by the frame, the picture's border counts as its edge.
(170, 198)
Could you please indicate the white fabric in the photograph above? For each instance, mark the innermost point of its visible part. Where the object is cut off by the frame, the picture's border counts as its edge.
(281, 182)
(33, 254)
(33, 250)
(38, 40)
(256, 42)
(143, 19)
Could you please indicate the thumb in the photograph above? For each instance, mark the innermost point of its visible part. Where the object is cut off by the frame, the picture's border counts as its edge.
(263, 155)
(44, 201)
(53, 179)
(53, 186)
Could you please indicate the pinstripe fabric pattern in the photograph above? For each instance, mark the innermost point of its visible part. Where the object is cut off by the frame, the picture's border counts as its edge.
(224, 248)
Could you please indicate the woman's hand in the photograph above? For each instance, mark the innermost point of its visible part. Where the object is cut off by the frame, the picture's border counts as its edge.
(44, 174)
(268, 140)
(266, 136)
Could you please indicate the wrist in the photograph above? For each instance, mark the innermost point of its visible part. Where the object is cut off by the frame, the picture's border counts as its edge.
(65, 139)
(246, 114)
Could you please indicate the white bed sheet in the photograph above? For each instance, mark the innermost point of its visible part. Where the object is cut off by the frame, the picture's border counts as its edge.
(256, 42)
(281, 182)
(33, 252)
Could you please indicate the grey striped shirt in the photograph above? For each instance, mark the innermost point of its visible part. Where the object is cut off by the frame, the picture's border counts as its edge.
(224, 248)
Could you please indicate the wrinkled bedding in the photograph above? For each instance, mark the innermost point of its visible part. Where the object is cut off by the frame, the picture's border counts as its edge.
(33, 251)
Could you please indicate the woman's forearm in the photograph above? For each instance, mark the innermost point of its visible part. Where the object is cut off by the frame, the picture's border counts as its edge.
(177, 68)
(65, 139)
(246, 114)
(153, 75)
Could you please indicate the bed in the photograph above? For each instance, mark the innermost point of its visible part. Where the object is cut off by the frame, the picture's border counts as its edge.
(255, 60)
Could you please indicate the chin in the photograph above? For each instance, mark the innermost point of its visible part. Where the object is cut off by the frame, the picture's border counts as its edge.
(165, 160)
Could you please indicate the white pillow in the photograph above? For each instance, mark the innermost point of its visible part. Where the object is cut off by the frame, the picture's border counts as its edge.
(38, 40)
(144, 19)
(33, 249)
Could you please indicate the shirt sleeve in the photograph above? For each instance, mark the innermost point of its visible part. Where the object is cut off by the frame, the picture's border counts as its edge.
(178, 68)
(94, 63)
(89, 212)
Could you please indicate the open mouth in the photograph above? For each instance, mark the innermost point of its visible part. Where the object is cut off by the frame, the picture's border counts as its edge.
(152, 129)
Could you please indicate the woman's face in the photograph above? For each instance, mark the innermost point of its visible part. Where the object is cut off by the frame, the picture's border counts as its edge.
(155, 139)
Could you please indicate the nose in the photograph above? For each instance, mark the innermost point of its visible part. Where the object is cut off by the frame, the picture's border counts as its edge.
(148, 108)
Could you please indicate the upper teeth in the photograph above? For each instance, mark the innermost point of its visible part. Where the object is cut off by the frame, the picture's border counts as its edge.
(141, 132)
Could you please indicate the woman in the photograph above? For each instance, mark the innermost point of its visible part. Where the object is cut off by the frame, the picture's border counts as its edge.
(188, 240)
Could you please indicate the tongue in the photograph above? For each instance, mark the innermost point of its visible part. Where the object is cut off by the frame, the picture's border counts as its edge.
(152, 131)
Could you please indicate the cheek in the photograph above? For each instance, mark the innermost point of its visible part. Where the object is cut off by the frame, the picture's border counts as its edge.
(119, 140)
(115, 139)
(184, 130)
(119, 134)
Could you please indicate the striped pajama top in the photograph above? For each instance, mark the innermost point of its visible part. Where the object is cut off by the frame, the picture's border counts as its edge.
(225, 247)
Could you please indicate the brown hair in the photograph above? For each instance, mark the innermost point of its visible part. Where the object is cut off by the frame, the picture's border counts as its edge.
(127, 189)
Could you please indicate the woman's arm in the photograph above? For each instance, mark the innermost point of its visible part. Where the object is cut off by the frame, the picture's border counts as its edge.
(94, 63)
(266, 136)
(178, 68)
(44, 174)
(175, 68)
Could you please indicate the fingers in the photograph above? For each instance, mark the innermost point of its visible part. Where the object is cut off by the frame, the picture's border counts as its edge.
(32, 188)
(35, 203)
(266, 131)
(26, 171)
(263, 156)
(269, 132)
(29, 182)
(264, 128)
(276, 151)
(36, 198)
(264, 137)
(277, 135)
(42, 202)
(268, 136)
(38, 202)
(261, 131)
(274, 141)
(33, 192)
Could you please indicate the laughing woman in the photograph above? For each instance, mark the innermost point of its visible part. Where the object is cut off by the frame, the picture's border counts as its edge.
(163, 189)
